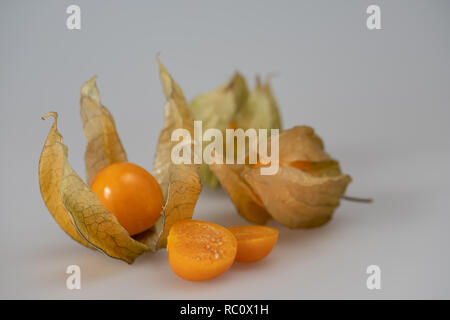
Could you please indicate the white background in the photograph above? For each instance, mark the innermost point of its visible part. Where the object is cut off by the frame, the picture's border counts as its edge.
(379, 99)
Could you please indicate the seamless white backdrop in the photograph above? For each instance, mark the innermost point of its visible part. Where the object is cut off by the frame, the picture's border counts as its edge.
(379, 99)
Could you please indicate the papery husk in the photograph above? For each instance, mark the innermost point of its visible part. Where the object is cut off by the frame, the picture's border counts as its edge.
(180, 182)
(76, 208)
(104, 146)
(217, 109)
(298, 199)
(260, 110)
(303, 193)
(247, 202)
(51, 165)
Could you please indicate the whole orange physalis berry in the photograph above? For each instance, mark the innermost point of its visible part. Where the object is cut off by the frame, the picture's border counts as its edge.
(131, 193)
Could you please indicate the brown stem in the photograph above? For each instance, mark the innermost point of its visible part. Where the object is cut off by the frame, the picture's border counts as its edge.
(355, 199)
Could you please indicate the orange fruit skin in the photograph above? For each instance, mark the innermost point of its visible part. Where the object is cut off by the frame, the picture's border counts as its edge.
(131, 193)
(200, 250)
(254, 242)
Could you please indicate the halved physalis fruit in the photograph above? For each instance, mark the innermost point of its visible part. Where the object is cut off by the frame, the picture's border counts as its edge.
(131, 193)
(200, 250)
(254, 242)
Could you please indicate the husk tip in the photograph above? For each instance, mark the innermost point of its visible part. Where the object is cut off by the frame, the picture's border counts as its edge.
(53, 114)
(89, 89)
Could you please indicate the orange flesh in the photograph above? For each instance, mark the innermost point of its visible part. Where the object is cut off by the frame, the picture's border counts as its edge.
(233, 125)
(300, 164)
(311, 166)
(303, 165)
(200, 250)
(131, 193)
(254, 242)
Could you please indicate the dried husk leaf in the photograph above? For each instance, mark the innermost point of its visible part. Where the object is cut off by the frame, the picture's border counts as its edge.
(93, 223)
(104, 146)
(171, 89)
(50, 173)
(319, 168)
(301, 148)
(207, 176)
(301, 143)
(296, 198)
(184, 189)
(308, 185)
(217, 109)
(248, 204)
(260, 110)
(180, 183)
(176, 115)
(302, 194)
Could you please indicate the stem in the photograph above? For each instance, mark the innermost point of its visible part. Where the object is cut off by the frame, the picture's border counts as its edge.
(355, 199)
